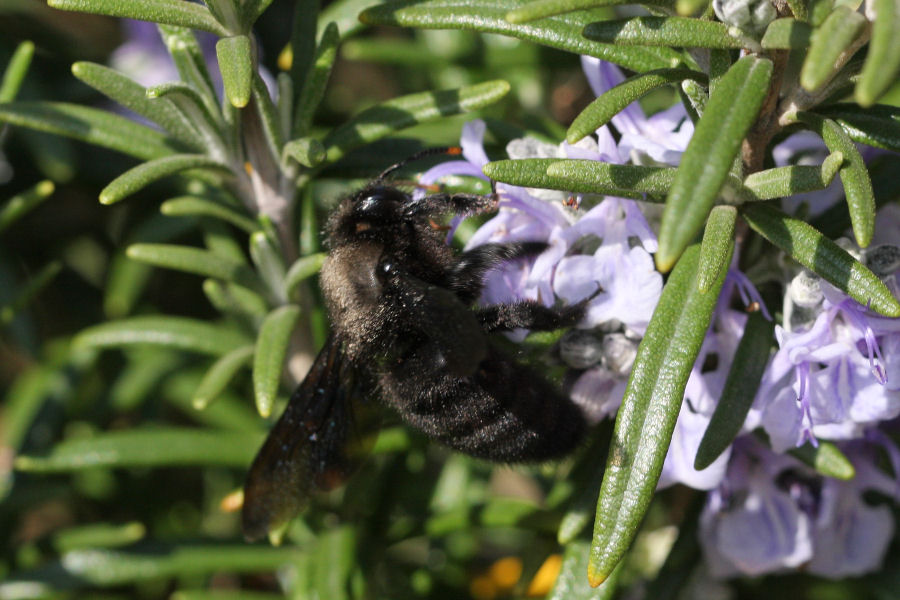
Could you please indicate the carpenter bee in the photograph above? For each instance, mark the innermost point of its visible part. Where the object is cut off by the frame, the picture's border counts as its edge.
(406, 331)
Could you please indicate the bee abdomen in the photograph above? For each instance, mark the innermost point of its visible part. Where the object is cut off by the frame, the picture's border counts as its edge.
(503, 413)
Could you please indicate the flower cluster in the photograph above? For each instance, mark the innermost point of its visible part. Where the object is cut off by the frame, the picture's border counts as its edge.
(772, 513)
(835, 375)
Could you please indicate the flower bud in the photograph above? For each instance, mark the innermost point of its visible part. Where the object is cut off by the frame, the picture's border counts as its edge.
(580, 349)
(883, 260)
(805, 290)
(752, 16)
(619, 353)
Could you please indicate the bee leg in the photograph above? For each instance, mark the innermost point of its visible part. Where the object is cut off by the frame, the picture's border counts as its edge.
(441, 203)
(467, 276)
(529, 314)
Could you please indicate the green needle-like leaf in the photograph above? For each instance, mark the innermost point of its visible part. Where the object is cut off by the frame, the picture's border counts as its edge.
(818, 11)
(220, 375)
(213, 594)
(302, 46)
(194, 260)
(827, 460)
(145, 369)
(571, 584)
(586, 480)
(307, 151)
(665, 31)
(584, 176)
(35, 284)
(190, 62)
(133, 96)
(799, 9)
(126, 278)
(604, 108)
(787, 34)
(195, 206)
(236, 67)
(98, 535)
(539, 9)
(854, 176)
(22, 403)
(171, 12)
(717, 246)
(230, 409)
(144, 174)
(883, 61)
(302, 269)
(175, 332)
(271, 349)
(830, 45)
(747, 367)
(877, 125)
(191, 104)
(690, 8)
(313, 90)
(822, 256)
(561, 31)
(151, 447)
(270, 265)
(15, 71)
(797, 179)
(91, 125)
(252, 9)
(381, 120)
(21, 204)
(649, 409)
(708, 159)
(268, 116)
(98, 567)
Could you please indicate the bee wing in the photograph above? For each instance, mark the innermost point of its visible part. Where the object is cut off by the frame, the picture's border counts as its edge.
(451, 325)
(316, 443)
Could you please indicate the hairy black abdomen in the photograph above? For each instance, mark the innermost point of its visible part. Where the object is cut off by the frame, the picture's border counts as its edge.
(504, 412)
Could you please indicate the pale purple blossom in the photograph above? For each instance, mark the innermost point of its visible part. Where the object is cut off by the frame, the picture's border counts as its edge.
(772, 513)
(836, 374)
(658, 139)
(833, 378)
(750, 524)
(603, 253)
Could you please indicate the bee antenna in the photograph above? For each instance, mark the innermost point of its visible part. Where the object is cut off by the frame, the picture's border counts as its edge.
(448, 150)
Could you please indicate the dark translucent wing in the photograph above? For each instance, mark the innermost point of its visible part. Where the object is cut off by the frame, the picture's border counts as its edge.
(316, 443)
(446, 321)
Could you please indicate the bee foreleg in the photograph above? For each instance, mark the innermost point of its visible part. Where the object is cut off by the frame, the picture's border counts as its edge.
(467, 276)
(441, 203)
(529, 314)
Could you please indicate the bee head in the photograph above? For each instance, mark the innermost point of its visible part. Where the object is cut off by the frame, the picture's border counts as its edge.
(375, 212)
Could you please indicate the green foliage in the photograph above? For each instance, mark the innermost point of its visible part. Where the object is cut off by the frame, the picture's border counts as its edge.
(143, 420)
(648, 412)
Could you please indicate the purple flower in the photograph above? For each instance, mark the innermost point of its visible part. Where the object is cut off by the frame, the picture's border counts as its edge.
(772, 513)
(835, 376)
(658, 139)
(605, 252)
(750, 524)
(143, 55)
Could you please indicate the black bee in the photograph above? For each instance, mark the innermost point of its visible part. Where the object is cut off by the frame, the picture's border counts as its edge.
(406, 331)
